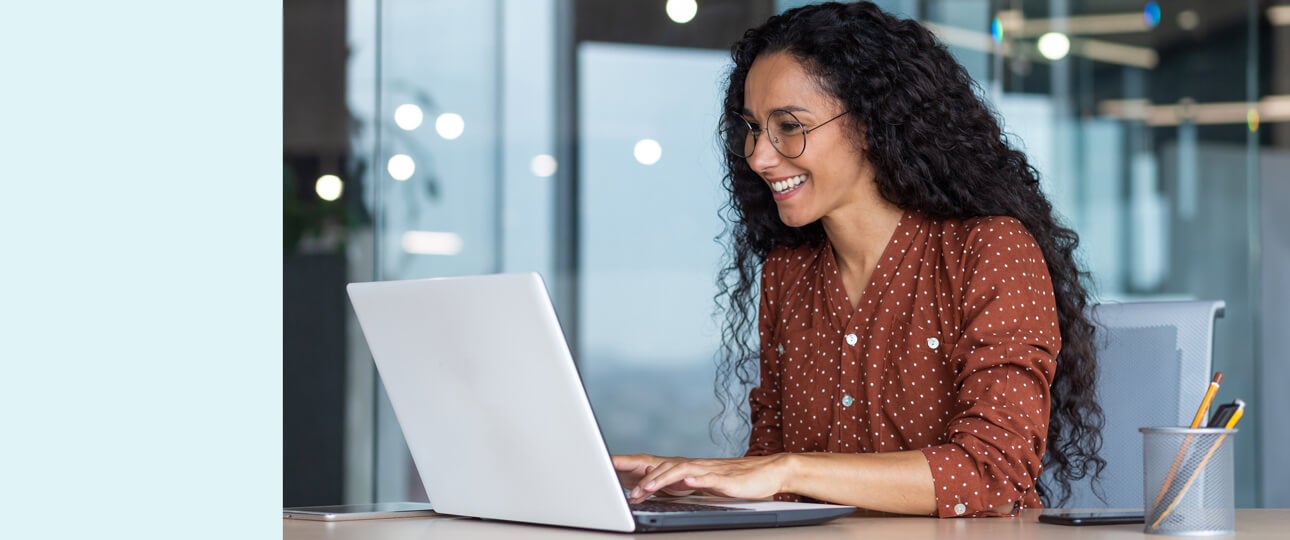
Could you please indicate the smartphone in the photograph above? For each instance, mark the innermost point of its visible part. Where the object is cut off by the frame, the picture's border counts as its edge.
(345, 512)
(1060, 517)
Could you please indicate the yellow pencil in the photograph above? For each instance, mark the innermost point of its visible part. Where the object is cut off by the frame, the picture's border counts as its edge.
(1209, 398)
(1195, 423)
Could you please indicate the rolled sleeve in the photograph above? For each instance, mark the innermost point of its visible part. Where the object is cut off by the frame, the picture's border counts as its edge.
(996, 439)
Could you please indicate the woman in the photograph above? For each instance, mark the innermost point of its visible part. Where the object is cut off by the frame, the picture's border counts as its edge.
(915, 288)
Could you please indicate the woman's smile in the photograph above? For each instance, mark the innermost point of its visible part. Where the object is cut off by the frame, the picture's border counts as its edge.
(787, 187)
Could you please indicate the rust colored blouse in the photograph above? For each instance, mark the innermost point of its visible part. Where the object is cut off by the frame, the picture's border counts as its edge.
(951, 351)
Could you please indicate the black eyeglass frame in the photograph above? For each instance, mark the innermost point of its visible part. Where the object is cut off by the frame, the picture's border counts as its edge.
(757, 132)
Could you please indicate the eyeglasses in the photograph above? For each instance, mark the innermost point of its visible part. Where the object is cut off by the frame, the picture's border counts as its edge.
(787, 133)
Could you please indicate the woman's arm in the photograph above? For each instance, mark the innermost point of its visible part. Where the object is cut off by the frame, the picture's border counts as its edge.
(899, 482)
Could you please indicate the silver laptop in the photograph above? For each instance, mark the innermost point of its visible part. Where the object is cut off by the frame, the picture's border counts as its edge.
(497, 420)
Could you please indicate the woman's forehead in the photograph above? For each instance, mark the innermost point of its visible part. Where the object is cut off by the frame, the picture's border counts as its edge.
(779, 81)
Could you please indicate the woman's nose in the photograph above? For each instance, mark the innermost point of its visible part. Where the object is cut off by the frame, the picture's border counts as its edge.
(764, 156)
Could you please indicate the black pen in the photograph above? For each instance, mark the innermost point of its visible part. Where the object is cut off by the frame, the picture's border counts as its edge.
(1222, 415)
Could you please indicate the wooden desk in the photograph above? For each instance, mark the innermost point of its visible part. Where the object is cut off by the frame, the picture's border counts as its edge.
(1250, 524)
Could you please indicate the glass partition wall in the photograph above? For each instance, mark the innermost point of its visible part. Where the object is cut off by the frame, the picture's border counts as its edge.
(576, 139)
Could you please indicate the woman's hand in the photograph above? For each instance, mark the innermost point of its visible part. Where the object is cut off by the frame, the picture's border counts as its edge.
(634, 467)
(746, 478)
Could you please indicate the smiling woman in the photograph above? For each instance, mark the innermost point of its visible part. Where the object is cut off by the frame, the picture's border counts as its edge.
(915, 287)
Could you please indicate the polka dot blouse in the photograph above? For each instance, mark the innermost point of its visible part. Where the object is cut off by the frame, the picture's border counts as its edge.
(950, 351)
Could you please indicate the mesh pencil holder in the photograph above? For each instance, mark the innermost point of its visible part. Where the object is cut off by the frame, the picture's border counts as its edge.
(1188, 481)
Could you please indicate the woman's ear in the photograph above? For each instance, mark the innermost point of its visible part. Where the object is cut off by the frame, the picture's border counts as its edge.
(862, 135)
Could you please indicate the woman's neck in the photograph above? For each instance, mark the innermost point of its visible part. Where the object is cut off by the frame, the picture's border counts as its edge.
(860, 233)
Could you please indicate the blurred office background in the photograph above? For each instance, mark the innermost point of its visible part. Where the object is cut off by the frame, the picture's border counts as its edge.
(575, 138)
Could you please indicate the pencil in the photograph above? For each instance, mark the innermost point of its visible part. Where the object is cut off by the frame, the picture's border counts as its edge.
(1195, 423)
(1209, 398)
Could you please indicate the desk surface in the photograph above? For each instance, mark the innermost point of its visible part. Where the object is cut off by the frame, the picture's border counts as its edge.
(1250, 523)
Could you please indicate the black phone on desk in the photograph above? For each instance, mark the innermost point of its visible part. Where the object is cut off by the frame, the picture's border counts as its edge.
(1101, 517)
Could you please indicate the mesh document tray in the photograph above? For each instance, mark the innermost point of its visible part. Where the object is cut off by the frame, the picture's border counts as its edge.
(1154, 368)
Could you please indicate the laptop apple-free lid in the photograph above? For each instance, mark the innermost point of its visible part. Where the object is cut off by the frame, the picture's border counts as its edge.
(491, 406)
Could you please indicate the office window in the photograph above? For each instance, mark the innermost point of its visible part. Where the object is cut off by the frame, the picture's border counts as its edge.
(1139, 121)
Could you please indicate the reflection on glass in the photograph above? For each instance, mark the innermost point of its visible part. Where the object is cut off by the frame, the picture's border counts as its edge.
(401, 167)
(647, 151)
(450, 125)
(408, 116)
(1151, 13)
(542, 165)
(431, 243)
(329, 187)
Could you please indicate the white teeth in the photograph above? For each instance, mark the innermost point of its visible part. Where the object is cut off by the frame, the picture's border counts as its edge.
(787, 184)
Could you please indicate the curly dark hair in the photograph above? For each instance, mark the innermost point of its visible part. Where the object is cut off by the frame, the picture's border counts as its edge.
(936, 148)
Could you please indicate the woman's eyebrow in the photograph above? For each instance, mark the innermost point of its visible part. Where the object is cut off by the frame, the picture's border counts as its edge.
(789, 108)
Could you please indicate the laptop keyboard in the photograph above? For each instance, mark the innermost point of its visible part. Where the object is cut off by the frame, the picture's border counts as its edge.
(664, 506)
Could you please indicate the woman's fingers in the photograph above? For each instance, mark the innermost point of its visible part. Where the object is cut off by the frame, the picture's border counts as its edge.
(668, 476)
(739, 477)
(634, 462)
(631, 468)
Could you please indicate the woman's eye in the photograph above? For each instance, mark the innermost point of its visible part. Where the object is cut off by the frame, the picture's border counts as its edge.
(790, 127)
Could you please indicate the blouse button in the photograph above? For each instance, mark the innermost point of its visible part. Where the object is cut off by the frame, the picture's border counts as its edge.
(847, 400)
(933, 342)
(851, 339)
(780, 349)
(960, 508)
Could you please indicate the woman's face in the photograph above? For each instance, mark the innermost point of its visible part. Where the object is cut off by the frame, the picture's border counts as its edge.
(831, 173)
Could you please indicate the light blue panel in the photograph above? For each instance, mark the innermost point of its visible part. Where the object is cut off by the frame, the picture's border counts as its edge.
(648, 257)
(648, 260)
(528, 106)
(1149, 240)
(1188, 171)
(140, 334)
(1029, 122)
(970, 15)
(1101, 219)
(442, 55)
(1275, 368)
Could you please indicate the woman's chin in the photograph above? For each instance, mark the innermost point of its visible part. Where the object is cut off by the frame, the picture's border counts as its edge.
(793, 219)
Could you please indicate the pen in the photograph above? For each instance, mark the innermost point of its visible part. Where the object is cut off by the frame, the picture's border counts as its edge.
(1209, 397)
(1236, 416)
(1222, 414)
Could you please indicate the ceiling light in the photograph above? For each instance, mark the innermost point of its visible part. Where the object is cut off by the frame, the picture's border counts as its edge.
(1054, 45)
(681, 11)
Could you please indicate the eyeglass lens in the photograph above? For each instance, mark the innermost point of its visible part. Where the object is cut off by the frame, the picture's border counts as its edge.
(783, 128)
